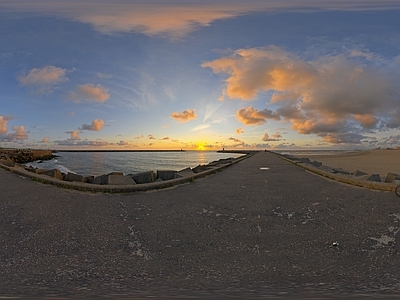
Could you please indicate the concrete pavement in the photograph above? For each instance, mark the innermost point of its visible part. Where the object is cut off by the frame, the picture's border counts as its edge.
(260, 228)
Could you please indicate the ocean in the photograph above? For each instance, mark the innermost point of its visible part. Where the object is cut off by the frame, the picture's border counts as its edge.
(98, 163)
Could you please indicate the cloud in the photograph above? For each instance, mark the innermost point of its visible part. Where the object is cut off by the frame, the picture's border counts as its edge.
(328, 96)
(251, 116)
(89, 92)
(165, 138)
(122, 143)
(235, 140)
(239, 130)
(139, 137)
(46, 139)
(3, 123)
(74, 135)
(174, 19)
(184, 116)
(43, 80)
(96, 125)
(275, 137)
(18, 134)
(151, 137)
(201, 126)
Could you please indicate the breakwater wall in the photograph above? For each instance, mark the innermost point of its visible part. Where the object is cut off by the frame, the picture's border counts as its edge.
(23, 156)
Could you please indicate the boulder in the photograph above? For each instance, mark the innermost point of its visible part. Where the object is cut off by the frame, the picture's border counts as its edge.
(144, 177)
(390, 177)
(55, 173)
(74, 177)
(102, 179)
(166, 174)
(305, 160)
(340, 171)
(7, 162)
(200, 168)
(89, 179)
(316, 164)
(359, 173)
(374, 177)
(117, 179)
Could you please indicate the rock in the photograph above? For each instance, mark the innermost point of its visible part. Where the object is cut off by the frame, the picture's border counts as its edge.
(316, 164)
(359, 173)
(55, 173)
(305, 160)
(7, 162)
(200, 168)
(102, 179)
(144, 177)
(166, 174)
(89, 179)
(390, 177)
(374, 177)
(119, 180)
(340, 171)
(74, 177)
(158, 180)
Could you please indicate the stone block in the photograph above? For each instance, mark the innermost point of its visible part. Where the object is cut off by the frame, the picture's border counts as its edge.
(119, 180)
(200, 168)
(390, 177)
(316, 164)
(7, 162)
(55, 173)
(359, 173)
(102, 179)
(374, 177)
(166, 174)
(305, 160)
(144, 177)
(340, 171)
(74, 177)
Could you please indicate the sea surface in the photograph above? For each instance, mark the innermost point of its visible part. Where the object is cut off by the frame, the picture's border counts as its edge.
(98, 163)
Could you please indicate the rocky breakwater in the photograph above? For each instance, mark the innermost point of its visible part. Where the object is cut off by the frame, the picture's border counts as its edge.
(354, 177)
(21, 156)
(117, 181)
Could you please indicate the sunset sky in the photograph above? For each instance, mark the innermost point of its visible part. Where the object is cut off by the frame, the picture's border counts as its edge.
(201, 74)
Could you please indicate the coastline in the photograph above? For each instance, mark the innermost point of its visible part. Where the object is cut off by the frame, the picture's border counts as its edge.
(368, 161)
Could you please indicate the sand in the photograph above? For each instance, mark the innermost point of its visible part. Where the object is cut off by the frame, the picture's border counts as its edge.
(372, 162)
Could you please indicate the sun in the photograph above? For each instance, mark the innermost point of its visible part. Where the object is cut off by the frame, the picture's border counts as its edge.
(201, 146)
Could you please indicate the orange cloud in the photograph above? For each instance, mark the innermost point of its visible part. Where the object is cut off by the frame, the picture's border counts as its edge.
(45, 139)
(275, 137)
(43, 80)
(184, 116)
(174, 19)
(321, 96)
(19, 133)
(3, 123)
(251, 116)
(366, 121)
(91, 92)
(74, 135)
(96, 125)
(239, 131)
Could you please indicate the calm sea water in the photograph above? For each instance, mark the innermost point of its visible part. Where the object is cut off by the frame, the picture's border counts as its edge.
(98, 163)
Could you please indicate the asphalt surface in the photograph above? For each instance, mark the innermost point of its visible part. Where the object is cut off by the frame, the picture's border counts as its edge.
(262, 228)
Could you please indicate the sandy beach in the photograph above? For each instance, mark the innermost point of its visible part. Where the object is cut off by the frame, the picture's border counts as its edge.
(372, 162)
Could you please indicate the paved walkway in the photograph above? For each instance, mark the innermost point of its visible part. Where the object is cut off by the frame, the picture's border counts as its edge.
(261, 227)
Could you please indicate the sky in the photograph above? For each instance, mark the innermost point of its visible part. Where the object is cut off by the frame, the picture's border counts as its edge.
(199, 75)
